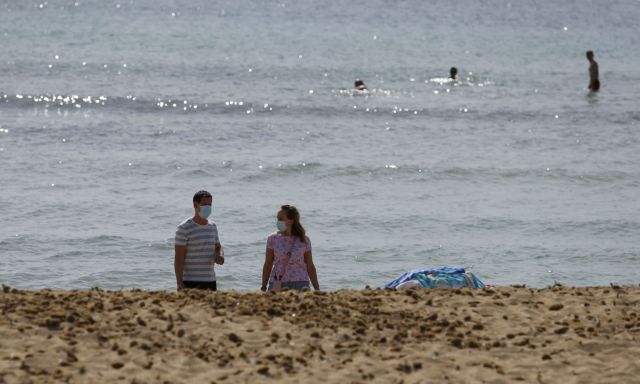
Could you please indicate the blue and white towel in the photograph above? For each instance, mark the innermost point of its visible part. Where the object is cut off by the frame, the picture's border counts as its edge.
(439, 277)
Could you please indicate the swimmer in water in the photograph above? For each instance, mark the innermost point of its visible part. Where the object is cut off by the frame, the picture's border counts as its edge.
(594, 81)
(359, 85)
(453, 73)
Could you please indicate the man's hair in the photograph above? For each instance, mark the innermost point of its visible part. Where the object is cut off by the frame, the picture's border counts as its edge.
(197, 198)
(589, 53)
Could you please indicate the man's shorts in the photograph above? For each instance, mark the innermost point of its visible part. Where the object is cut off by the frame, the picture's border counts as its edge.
(208, 285)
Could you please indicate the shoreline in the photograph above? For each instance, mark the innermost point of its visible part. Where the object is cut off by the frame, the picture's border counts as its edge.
(500, 335)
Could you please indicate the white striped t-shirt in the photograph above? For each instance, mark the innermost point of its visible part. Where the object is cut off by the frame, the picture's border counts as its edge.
(200, 241)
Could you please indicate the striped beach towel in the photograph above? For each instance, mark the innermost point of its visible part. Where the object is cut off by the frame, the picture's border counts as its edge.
(439, 277)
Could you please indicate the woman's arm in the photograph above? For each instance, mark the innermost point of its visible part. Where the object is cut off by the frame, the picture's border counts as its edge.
(311, 270)
(266, 269)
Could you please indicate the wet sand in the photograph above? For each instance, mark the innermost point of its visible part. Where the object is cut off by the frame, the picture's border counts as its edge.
(503, 335)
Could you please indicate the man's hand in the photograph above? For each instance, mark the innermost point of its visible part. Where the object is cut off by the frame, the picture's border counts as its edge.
(219, 253)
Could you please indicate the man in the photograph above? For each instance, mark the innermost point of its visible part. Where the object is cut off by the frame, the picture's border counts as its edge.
(198, 247)
(359, 85)
(594, 82)
(453, 73)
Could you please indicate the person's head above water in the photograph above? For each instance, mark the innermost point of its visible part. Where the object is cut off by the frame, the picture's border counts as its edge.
(359, 85)
(453, 72)
(589, 55)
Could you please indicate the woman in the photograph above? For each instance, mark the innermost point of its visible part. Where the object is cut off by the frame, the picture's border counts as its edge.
(288, 257)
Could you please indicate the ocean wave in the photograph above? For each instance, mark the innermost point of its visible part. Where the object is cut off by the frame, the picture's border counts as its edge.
(402, 105)
(419, 173)
(594, 227)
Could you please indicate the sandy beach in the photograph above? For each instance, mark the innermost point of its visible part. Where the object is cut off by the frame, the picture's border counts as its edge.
(502, 335)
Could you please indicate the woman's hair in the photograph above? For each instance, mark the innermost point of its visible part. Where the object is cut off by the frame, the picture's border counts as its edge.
(296, 228)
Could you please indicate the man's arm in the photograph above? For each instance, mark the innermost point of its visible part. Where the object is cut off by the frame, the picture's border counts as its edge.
(219, 254)
(178, 264)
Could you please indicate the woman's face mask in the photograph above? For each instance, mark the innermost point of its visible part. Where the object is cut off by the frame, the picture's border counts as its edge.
(282, 226)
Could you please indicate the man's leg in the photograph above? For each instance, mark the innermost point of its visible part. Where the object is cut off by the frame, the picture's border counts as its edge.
(207, 285)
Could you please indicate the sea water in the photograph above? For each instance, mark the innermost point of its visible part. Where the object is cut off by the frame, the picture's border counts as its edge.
(114, 113)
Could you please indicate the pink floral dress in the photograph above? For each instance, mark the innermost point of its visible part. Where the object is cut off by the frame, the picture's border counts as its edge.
(296, 268)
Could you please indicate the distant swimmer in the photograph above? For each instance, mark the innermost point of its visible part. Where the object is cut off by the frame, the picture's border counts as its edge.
(453, 73)
(359, 85)
(594, 82)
